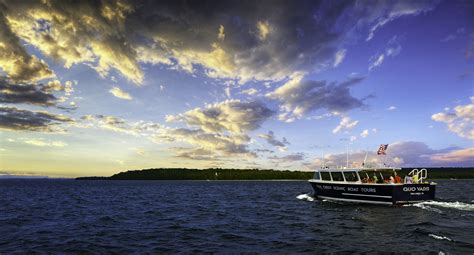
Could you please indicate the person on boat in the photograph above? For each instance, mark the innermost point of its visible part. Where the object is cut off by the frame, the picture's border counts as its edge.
(415, 178)
(375, 178)
(408, 179)
(397, 178)
(392, 180)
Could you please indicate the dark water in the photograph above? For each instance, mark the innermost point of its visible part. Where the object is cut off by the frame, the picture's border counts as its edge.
(67, 216)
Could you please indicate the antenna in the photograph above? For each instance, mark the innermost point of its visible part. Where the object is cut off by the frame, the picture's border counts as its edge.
(347, 156)
(365, 159)
(323, 165)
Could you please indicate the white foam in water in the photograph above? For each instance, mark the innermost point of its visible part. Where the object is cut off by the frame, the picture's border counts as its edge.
(441, 237)
(425, 207)
(305, 197)
(455, 205)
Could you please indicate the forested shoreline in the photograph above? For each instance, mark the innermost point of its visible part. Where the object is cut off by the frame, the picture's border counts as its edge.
(255, 174)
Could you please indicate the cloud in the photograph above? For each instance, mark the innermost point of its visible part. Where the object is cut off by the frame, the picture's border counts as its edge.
(137, 128)
(36, 94)
(232, 40)
(376, 61)
(460, 121)
(221, 34)
(364, 133)
(194, 154)
(219, 128)
(392, 49)
(12, 118)
(299, 96)
(404, 154)
(230, 115)
(391, 108)
(263, 29)
(339, 57)
(345, 124)
(217, 145)
(117, 92)
(73, 33)
(384, 12)
(43, 143)
(17, 63)
(288, 158)
(458, 156)
(24, 93)
(250, 91)
(271, 139)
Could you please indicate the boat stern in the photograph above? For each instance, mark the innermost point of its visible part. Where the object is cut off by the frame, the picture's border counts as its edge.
(413, 193)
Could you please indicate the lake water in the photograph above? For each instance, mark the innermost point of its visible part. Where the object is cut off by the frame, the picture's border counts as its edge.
(67, 216)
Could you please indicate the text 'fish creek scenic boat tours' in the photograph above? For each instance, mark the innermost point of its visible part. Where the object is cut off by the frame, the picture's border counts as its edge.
(374, 185)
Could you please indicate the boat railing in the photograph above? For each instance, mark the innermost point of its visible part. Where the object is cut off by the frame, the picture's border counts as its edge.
(421, 173)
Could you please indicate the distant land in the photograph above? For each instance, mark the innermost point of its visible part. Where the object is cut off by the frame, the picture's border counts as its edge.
(256, 174)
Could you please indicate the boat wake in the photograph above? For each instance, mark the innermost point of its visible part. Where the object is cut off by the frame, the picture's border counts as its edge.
(431, 206)
(306, 197)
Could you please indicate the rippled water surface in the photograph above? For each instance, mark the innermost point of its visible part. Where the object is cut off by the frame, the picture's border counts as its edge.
(67, 216)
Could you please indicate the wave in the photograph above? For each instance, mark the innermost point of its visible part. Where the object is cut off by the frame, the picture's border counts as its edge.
(306, 197)
(425, 207)
(455, 205)
(440, 237)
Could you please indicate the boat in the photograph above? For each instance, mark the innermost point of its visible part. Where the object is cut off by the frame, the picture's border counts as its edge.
(372, 185)
(355, 185)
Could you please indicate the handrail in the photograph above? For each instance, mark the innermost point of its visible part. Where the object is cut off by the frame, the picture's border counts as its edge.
(422, 174)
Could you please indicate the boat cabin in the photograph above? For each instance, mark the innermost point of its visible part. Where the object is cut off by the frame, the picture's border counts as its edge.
(357, 175)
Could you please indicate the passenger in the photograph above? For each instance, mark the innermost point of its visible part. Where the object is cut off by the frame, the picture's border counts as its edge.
(415, 178)
(375, 178)
(408, 179)
(397, 178)
(392, 180)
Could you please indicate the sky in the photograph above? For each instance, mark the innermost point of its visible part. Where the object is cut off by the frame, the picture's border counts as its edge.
(99, 87)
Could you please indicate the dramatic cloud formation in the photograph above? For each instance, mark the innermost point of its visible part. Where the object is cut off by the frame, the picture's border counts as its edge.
(117, 92)
(231, 115)
(213, 144)
(241, 41)
(220, 128)
(36, 94)
(15, 60)
(460, 121)
(271, 139)
(12, 118)
(299, 96)
(404, 154)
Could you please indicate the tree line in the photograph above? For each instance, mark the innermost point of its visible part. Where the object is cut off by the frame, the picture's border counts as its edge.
(255, 174)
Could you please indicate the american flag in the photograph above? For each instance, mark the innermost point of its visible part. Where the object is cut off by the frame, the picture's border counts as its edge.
(382, 149)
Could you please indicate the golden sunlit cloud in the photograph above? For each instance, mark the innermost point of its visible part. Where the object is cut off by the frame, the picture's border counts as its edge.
(43, 143)
(117, 92)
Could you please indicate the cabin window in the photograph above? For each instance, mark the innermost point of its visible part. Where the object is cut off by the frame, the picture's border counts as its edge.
(351, 176)
(337, 176)
(325, 176)
(316, 175)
